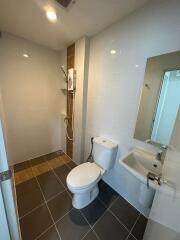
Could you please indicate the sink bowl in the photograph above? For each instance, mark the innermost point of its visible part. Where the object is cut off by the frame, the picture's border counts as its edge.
(136, 165)
(140, 162)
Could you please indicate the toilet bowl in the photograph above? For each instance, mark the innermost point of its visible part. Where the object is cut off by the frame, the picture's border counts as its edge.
(83, 180)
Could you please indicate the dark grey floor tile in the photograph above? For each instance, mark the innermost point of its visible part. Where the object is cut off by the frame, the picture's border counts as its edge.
(35, 223)
(51, 234)
(94, 211)
(38, 160)
(51, 156)
(73, 226)
(50, 184)
(125, 212)
(108, 227)
(21, 166)
(131, 237)
(29, 196)
(60, 205)
(106, 194)
(71, 164)
(139, 228)
(62, 173)
(90, 236)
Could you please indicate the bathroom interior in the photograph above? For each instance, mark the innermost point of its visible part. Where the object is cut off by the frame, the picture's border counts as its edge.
(89, 120)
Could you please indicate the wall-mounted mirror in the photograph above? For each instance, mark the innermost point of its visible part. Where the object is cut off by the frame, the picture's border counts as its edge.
(160, 99)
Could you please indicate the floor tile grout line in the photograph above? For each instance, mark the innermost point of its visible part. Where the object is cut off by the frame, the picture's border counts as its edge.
(67, 155)
(129, 230)
(130, 233)
(91, 227)
(59, 219)
(100, 217)
(60, 180)
(110, 204)
(89, 232)
(46, 203)
(57, 194)
(51, 216)
(135, 221)
(16, 202)
(42, 204)
(32, 210)
(86, 220)
(65, 161)
(119, 220)
(96, 234)
(86, 234)
(47, 229)
(109, 210)
(48, 200)
(69, 161)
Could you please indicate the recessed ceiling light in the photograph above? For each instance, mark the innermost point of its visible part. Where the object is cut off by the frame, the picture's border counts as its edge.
(113, 51)
(25, 55)
(51, 15)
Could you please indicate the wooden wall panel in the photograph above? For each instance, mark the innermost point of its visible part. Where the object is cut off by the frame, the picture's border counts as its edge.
(70, 64)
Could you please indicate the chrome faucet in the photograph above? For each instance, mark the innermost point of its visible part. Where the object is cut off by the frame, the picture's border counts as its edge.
(153, 177)
(160, 156)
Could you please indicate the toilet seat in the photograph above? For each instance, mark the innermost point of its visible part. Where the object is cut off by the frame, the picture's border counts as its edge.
(83, 175)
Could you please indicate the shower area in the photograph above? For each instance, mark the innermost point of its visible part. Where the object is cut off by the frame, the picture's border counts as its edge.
(37, 106)
(70, 93)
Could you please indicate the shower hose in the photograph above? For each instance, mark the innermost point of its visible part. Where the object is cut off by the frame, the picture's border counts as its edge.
(66, 120)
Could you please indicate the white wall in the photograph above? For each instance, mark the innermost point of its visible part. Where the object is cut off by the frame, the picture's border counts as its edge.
(32, 99)
(80, 104)
(115, 81)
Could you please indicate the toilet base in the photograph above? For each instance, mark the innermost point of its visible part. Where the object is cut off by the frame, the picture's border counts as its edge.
(81, 200)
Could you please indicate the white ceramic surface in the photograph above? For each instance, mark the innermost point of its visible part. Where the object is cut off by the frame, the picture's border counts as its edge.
(139, 163)
(83, 175)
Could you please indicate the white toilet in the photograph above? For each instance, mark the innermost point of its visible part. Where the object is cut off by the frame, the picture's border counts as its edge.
(83, 180)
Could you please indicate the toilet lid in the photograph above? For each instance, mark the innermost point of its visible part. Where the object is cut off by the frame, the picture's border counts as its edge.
(83, 175)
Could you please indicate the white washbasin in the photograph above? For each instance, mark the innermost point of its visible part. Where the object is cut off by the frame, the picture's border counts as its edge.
(140, 162)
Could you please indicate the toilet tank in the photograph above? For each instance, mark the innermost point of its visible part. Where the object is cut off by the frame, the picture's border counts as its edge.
(104, 152)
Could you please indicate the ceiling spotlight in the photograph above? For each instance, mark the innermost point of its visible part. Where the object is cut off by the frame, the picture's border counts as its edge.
(25, 55)
(113, 51)
(51, 15)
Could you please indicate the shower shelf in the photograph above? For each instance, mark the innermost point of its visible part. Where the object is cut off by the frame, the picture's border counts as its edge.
(64, 90)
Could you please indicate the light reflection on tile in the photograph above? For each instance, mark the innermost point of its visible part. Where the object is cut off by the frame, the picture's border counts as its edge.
(65, 158)
(56, 162)
(22, 176)
(41, 168)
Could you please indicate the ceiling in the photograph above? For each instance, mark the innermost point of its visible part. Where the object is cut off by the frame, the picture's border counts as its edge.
(27, 19)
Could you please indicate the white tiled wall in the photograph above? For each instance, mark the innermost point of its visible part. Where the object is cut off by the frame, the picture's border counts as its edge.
(31, 98)
(115, 81)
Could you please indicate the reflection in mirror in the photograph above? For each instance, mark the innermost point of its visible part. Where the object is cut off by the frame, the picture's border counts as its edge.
(167, 108)
(160, 99)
